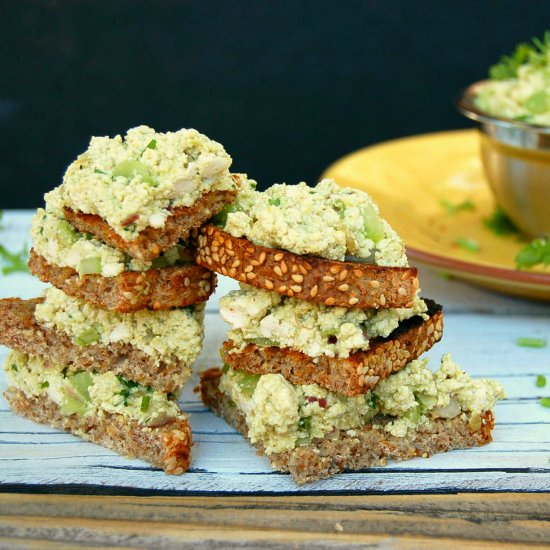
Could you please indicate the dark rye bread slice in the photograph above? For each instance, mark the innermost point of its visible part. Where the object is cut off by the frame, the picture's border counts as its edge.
(167, 447)
(152, 241)
(20, 331)
(368, 446)
(129, 291)
(356, 374)
(329, 282)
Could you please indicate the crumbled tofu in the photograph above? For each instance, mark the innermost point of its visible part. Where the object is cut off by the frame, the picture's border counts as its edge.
(269, 318)
(326, 221)
(162, 335)
(104, 392)
(62, 245)
(133, 182)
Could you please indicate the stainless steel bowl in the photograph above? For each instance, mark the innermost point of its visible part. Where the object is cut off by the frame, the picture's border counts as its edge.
(516, 160)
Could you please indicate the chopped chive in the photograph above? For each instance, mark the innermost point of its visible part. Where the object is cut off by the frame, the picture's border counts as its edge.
(526, 342)
(44, 385)
(275, 202)
(152, 144)
(145, 403)
(98, 171)
(471, 245)
(452, 209)
(545, 402)
(541, 381)
(14, 367)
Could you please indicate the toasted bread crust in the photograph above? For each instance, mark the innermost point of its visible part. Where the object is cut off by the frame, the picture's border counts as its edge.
(367, 447)
(129, 291)
(353, 375)
(152, 241)
(167, 446)
(20, 331)
(318, 280)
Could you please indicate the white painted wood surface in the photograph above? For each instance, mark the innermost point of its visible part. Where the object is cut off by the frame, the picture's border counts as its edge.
(480, 330)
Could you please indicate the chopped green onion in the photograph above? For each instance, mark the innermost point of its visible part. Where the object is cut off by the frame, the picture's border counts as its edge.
(14, 367)
(275, 202)
(531, 342)
(452, 209)
(541, 381)
(499, 223)
(44, 385)
(89, 336)
(545, 402)
(90, 266)
(145, 400)
(152, 144)
(98, 171)
(220, 219)
(471, 245)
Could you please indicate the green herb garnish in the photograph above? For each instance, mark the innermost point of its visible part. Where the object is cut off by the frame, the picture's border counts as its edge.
(526, 342)
(499, 223)
(89, 336)
(535, 54)
(452, 209)
(14, 367)
(44, 385)
(17, 261)
(275, 202)
(471, 245)
(98, 171)
(535, 253)
(545, 402)
(541, 381)
(145, 400)
(152, 144)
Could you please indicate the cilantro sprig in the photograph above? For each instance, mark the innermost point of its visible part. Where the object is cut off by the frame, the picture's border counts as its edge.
(500, 224)
(454, 208)
(14, 261)
(534, 54)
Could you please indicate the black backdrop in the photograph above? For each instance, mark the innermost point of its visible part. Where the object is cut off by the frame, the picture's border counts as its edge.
(286, 86)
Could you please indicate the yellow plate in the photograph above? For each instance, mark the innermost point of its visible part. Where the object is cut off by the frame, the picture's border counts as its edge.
(409, 178)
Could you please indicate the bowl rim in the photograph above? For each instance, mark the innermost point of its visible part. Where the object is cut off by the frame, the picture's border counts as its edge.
(465, 104)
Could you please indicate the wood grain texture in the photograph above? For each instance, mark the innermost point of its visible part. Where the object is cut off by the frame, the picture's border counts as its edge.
(471, 520)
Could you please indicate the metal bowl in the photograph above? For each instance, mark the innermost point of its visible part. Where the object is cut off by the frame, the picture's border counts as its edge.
(516, 160)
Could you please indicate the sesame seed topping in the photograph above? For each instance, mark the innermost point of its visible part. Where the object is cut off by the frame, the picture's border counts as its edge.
(224, 270)
(344, 287)
(302, 269)
(415, 283)
(251, 276)
(313, 292)
(328, 278)
(335, 269)
(353, 301)
(236, 263)
(296, 288)
(268, 284)
(382, 300)
(401, 291)
(210, 230)
(284, 267)
(215, 257)
(248, 269)
(329, 301)
(186, 281)
(232, 272)
(261, 259)
(255, 263)
(282, 289)
(357, 273)
(343, 275)
(278, 271)
(374, 284)
(250, 250)
(279, 256)
(406, 275)
(297, 278)
(229, 244)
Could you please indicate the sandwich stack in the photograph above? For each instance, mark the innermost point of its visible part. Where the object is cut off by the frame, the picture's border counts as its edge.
(322, 369)
(105, 352)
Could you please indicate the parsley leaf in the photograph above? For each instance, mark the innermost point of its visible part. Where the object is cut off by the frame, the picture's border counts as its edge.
(471, 245)
(452, 209)
(275, 202)
(16, 261)
(499, 223)
(535, 253)
(535, 54)
(541, 381)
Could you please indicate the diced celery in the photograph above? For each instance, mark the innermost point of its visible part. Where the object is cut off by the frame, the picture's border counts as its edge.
(90, 266)
(66, 234)
(247, 383)
(426, 402)
(132, 168)
(220, 219)
(373, 225)
(72, 405)
(413, 414)
(81, 381)
(538, 103)
(263, 342)
(89, 336)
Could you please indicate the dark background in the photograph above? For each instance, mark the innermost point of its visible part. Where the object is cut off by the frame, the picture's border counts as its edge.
(287, 87)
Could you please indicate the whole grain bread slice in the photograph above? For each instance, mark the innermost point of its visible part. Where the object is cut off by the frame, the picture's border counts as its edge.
(152, 241)
(167, 446)
(129, 291)
(329, 282)
(353, 375)
(356, 449)
(20, 331)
